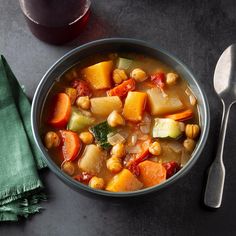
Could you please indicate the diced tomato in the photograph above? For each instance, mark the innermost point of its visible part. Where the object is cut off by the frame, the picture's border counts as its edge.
(83, 88)
(71, 145)
(122, 89)
(142, 156)
(159, 79)
(171, 168)
(134, 168)
(83, 177)
(133, 165)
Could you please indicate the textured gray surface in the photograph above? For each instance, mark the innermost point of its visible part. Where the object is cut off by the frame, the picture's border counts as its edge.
(196, 32)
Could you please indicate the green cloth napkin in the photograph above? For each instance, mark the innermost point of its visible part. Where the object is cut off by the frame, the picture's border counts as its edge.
(20, 186)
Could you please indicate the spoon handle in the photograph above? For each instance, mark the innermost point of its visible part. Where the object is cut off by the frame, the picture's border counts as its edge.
(216, 175)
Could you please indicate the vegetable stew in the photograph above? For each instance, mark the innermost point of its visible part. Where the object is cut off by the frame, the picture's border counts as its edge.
(120, 122)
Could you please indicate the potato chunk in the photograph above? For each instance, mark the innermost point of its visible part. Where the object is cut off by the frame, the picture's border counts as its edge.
(125, 181)
(99, 75)
(134, 106)
(91, 160)
(160, 105)
(103, 106)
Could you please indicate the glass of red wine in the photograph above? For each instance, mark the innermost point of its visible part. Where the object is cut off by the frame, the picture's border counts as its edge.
(56, 21)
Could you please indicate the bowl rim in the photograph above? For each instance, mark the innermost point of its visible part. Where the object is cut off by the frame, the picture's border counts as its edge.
(75, 184)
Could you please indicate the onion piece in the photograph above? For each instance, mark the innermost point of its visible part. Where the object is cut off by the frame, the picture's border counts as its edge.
(111, 134)
(184, 158)
(175, 147)
(123, 133)
(187, 91)
(163, 93)
(192, 100)
(143, 137)
(115, 139)
(145, 128)
(133, 139)
(133, 149)
(146, 118)
(182, 126)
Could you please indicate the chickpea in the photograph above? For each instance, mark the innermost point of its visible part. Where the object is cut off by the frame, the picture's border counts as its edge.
(97, 183)
(118, 150)
(115, 119)
(83, 102)
(171, 78)
(189, 145)
(119, 76)
(86, 137)
(114, 164)
(51, 140)
(192, 131)
(72, 93)
(139, 75)
(155, 148)
(71, 75)
(68, 168)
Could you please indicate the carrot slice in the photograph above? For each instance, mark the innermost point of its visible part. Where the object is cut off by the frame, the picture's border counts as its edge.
(122, 89)
(151, 173)
(181, 116)
(71, 145)
(61, 110)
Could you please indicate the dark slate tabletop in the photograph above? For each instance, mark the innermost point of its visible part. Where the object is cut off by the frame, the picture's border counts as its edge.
(196, 32)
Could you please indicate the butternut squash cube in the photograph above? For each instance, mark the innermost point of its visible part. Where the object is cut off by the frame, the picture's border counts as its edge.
(99, 75)
(125, 181)
(151, 173)
(135, 103)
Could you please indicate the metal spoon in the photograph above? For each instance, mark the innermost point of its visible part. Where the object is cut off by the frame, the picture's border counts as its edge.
(225, 87)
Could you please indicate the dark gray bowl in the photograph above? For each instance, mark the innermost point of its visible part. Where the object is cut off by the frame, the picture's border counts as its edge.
(117, 44)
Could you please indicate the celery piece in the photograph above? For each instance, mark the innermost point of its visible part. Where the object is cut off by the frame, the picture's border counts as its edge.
(79, 121)
(124, 63)
(166, 128)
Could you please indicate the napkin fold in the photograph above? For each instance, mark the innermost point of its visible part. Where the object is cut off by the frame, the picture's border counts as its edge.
(20, 185)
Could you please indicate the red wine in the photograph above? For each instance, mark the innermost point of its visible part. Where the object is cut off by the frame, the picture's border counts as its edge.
(56, 21)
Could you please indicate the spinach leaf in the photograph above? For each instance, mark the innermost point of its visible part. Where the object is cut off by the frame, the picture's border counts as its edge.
(100, 132)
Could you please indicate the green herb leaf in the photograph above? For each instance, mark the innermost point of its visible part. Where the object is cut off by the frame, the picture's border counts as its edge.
(100, 132)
